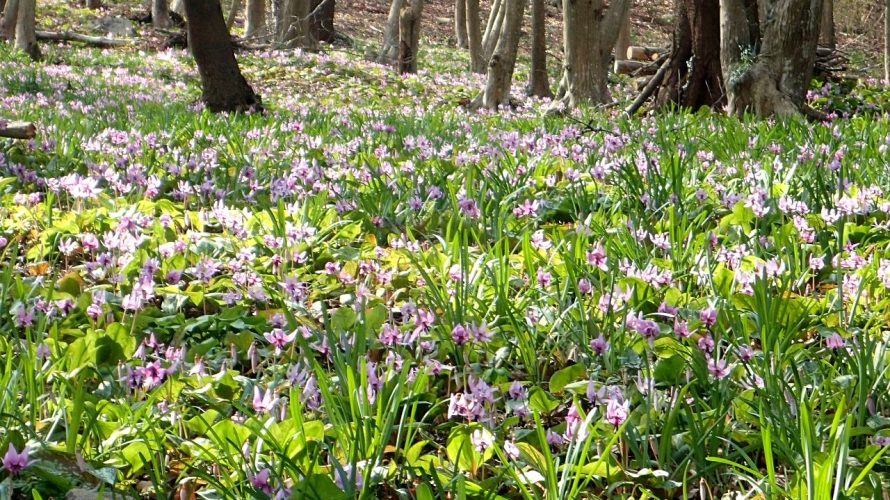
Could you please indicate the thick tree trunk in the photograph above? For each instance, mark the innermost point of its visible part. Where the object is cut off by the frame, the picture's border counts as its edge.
(694, 77)
(2, 5)
(589, 37)
(10, 16)
(623, 40)
(390, 48)
(503, 60)
(256, 18)
(474, 37)
(25, 30)
(826, 34)
(321, 23)
(233, 12)
(538, 82)
(409, 36)
(223, 86)
(295, 25)
(493, 29)
(160, 14)
(93, 4)
(460, 24)
(774, 79)
(178, 6)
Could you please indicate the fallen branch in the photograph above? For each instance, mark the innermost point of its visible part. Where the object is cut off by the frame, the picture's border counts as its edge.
(17, 130)
(635, 68)
(649, 89)
(635, 53)
(68, 36)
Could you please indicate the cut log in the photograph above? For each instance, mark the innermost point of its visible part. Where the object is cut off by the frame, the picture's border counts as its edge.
(68, 36)
(644, 53)
(17, 130)
(635, 68)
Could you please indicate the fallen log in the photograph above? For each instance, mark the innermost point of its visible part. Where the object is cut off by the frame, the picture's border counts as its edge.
(644, 53)
(649, 89)
(68, 36)
(635, 68)
(17, 130)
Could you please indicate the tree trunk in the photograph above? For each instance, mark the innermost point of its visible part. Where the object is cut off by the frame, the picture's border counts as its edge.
(538, 82)
(178, 6)
(295, 26)
(223, 86)
(774, 79)
(2, 5)
(623, 41)
(886, 42)
(589, 37)
(25, 31)
(694, 77)
(826, 34)
(233, 12)
(160, 14)
(10, 16)
(460, 24)
(409, 36)
(493, 29)
(474, 37)
(321, 23)
(256, 18)
(93, 4)
(503, 60)
(391, 34)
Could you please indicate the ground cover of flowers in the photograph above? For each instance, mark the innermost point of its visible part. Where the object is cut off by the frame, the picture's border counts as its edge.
(369, 291)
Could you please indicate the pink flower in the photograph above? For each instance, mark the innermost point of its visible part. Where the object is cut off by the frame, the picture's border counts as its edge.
(599, 345)
(835, 341)
(263, 402)
(15, 462)
(708, 317)
(596, 257)
(261, 481)
(718, 368)
(617, 412)
(279, 339)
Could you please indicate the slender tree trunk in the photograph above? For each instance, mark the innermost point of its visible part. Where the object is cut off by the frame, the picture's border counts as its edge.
(503, 60)
(93, 4)
(295, 25)
(223, 86)
(160, 14)
(694, 78)
(256, 18)
(391, 34)
(233, 12)
(321, 23)
(776, 82)
(493, 29)
(539, 83)
(886, 42)
(589, 38)
(623, 40)
(409, 35)
(826, 35)
(460, 24)
(25, 31)
(474, 37)
(10, 16)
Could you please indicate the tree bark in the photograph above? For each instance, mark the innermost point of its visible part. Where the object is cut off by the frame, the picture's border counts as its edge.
(460, 24)
(160, 14)
(694, 78)
(589, 35)
(256, 18)
(93, 4)
(321, 23)
(390, 48)
(826, 35)
(493, 29)
(767, 60)
(295, 25)
(538, 82)
(623, 40)
(2, 5)
(503, 60)
(223, 86)
(233, 12)
(409, 36)
(10, 16)
(178, 6)
(886, 42)
(25, 30)
(474, 37)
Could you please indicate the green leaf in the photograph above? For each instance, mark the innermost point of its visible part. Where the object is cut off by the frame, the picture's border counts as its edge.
(318, 487)
(564, 377)
(542, 402)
